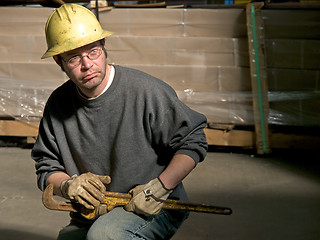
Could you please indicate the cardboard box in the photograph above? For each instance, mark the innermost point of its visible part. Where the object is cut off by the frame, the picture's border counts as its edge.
(288, 80)
(293, 53)
(291, 24)
(222, 23)
(23, 20)
(174, 51)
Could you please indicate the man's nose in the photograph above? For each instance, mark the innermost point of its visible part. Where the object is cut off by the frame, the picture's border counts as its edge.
(86, 62)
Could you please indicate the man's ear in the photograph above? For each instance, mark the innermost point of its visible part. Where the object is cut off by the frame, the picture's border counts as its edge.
(57, 60)
(103, 42)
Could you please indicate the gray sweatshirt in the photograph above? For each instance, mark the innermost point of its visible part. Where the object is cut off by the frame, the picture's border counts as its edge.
(130, 132)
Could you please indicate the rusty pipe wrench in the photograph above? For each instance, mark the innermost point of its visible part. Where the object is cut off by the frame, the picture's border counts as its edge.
(115, 199)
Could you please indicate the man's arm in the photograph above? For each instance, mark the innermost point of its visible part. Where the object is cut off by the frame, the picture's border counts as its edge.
(148, 199)
(180, 166)
(56, 179)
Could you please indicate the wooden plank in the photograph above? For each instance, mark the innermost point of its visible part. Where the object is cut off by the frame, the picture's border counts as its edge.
(246, 139)
(232, 138)
(18, 128)
(258, 74)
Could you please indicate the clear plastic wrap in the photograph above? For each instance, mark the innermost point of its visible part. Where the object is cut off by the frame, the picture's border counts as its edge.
(296, 108)
(20, 102)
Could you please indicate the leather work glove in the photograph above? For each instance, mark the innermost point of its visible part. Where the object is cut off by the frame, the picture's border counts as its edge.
(88, 189)
(148, 199)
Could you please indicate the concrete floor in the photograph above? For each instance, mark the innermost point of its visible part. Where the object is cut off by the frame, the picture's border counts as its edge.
(273, 197)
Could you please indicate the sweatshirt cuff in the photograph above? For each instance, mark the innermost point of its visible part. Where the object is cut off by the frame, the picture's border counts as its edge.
(194, 155)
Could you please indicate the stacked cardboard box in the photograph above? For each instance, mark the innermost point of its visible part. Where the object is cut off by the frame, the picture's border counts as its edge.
(25, 81)
(293, 59)
(201, 53)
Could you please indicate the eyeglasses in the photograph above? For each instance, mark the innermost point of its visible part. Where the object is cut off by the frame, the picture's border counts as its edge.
(76, 60)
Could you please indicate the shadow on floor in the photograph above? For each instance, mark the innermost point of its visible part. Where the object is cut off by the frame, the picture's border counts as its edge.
(304, 162)
(14, 234)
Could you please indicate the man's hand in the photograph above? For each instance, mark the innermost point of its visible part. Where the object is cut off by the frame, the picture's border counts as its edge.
(88, 189)
(148, 199)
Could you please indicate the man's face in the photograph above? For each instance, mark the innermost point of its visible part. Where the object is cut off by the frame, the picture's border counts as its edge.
(90, 75)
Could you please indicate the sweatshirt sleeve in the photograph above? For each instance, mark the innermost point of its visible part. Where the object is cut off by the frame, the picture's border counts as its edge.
(45, 152)
(176, 127)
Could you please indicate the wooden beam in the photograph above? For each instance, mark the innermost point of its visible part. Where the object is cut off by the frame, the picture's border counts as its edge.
(232, 138)
(246, 139)
(258, 74)
(15, 128)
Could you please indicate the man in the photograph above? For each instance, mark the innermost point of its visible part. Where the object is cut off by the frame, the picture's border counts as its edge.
(110, 121)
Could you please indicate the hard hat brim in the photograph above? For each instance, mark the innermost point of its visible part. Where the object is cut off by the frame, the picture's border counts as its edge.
(62, 49)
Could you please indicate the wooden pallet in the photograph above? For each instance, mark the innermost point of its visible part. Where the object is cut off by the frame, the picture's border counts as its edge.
(221, 136)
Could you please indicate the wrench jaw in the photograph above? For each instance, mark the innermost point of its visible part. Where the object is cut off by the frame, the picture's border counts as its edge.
(51, 203)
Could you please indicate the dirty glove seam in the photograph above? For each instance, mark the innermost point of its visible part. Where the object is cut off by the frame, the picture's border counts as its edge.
(157, 199)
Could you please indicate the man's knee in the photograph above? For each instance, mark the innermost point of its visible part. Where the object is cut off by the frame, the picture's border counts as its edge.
(117, 224)
(106, 233)
(73, 232)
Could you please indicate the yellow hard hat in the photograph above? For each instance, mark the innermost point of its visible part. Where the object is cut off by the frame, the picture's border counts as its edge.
(71, 26)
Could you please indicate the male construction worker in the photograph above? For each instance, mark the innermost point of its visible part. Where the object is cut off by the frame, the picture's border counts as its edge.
(113, 128)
